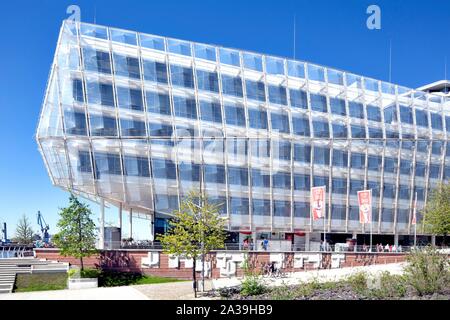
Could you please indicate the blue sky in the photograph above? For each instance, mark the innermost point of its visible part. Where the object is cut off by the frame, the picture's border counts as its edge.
(331, 33)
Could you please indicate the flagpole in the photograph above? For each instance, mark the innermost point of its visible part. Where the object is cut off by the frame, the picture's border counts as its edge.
(415, 221)
(370, 221)
(324, 221)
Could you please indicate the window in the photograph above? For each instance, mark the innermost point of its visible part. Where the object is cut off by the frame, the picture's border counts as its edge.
(163, 169)
(260, 148)
(375, 133)
(189, 171)
(158, 103)
(132, 128)
(358, 132)
(97, 61)
(179, 47)
(338, 212)
(436, 121)
(337, 106)
(238, 176)
(232, 86)
(301, 210)
(126, 66)
(214, 173)
(447, 124)
(235, 115)
(301, 126)
(320, 181)
(151, 42)
(230, 57)
(421, 118)
(355, 186)
(435, 171)
(420, 169)
(298, 99)
(436, 147)
(123, 36)
(406, 115)
(358, 161)
(281, 150)
(374, 163)
(77, 90)
(321, 129)
(302, 182)
(102, 125)
(280, 122)
(339, 130)
(373, 113)
(208, 81)
(128, 98)
(155, 71)
(322, 156)
(390, 165)
(136, 166)
(296, 69)
(356, 110)
(404, 192)
(389, 191)
(387, 215)
(211, 111)
(160, 130)
(281, 208)
(339, 185)
(260, 179)
(93, 31)
(318, 102)
(182, 76)
(185, 107)
(84, 160)
(100, 93)
(390, 114)
(281, 180)
(252, 61)
(257, 118)
(302, 153)
(261, 207)
(340, 158)
(420, 193)
(205, 52)
(423, 145)
(375, 187)
(403, 215)
(239, 206)
(107, 163)
(255, 90)
(75, 123)
(277, 95)
(274, 66)
(353, 213)
(405, 167)
(166, 204)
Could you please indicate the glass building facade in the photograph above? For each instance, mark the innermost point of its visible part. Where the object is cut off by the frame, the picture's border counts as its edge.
(140, 120)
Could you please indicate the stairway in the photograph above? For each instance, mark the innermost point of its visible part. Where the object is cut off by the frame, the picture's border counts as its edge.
(10, 267)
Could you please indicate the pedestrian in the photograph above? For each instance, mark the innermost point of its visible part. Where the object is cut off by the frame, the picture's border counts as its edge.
(265, 244)
(394, 248)
(386, 248)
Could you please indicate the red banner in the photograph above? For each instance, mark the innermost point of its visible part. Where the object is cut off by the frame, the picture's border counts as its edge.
(365, 206)
(318, 202)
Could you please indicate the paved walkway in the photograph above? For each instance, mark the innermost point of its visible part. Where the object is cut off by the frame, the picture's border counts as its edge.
(183, 290)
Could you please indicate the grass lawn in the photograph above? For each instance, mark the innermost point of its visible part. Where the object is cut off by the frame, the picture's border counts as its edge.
(40, 282)
(155, 279)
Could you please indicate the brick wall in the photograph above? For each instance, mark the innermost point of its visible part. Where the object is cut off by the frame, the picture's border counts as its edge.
(130, 261)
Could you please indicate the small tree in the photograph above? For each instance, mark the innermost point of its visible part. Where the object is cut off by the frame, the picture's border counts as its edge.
(437, 211)
(24, 231)
(195, 230)
(77, 236)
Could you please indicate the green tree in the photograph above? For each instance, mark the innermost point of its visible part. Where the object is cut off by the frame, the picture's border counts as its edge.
(437, 211)
(24, 231)
(195, 230)
(77, 231)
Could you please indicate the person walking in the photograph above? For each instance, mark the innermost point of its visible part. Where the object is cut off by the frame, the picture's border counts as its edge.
(386, 248)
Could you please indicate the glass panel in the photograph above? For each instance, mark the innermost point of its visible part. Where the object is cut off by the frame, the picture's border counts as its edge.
(322, 156)
(102, 125)
(260, 179)
(252, 61)
(205, 52)
(356, 110)
(132, 128)
(390, 114)
(422, 118)
(214, 173)
(436, 121)
(126, 66)
(301, 126)
(296, 69)
(406, 115)
(235, 115)
(238, 176)
(302, 182)
(122, 36)
(298, 98)
(337, 106)
(75, 122)
(257, 118)
(211, 111)
(302, 153)
(182, 76)
(318, 102)
(340, 158)
(230, 57)
(358, 132)
(129, 98)
(280, 122)
(179, 47)
(373, 113)
(358, 160)
(152, 42)
(158, 103)
(232, 85)
(274, 65)
(281, 180)
(208, 81)
(321, 129)
(94, 31)
(155, 71)
(340, 130)
(277, 94)
(255, 90)
(96, 60)
(100, 93)
(185, 107)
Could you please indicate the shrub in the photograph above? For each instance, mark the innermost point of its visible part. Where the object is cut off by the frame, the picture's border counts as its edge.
(358, 282)
(116, 278)
(283, 292)
(90, 273)
(427, 271)
(74, 273)
(390, 286)
(304, 290)
(252, 286)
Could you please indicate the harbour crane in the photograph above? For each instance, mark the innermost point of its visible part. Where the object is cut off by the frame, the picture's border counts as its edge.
(44, 227)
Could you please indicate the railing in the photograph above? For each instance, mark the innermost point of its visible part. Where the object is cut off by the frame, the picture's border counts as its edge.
(15, 251)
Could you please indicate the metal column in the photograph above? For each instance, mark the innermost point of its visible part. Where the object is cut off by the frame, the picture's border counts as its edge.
(131, 223)
(102, 225)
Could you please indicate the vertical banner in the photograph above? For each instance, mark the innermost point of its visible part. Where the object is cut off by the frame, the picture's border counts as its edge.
(318, 202)
(365, 206)
(414, 217)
